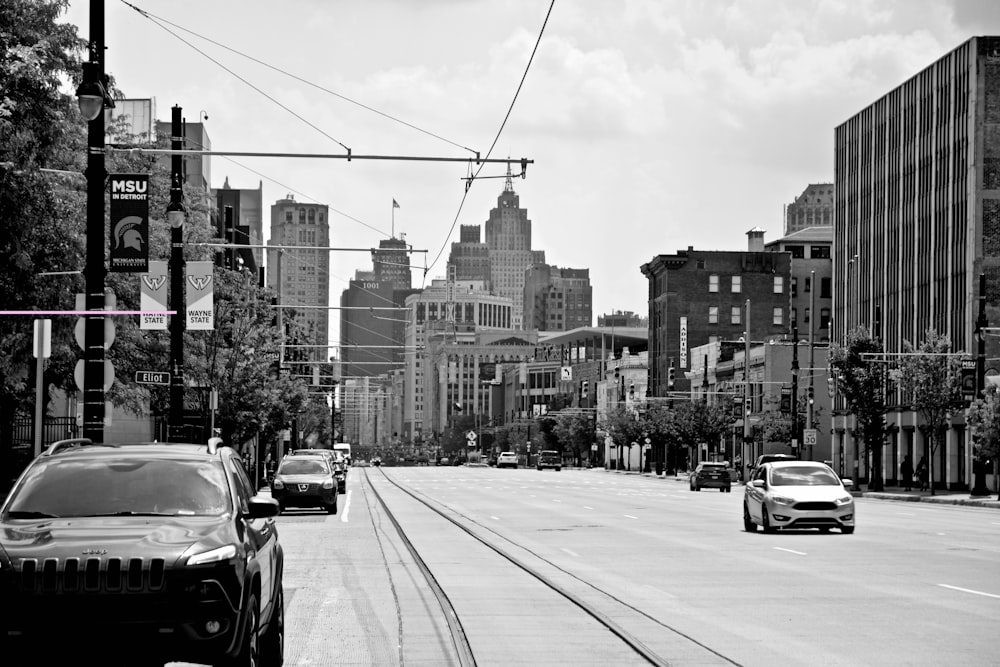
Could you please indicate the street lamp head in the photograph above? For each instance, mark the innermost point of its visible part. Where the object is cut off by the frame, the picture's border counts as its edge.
(175, 214)
(91, 95)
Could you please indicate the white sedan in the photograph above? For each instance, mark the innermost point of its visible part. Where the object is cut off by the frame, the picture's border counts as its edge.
(797, 494)
(507, 460)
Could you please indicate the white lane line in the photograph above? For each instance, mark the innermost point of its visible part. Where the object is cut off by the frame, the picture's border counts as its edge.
(969, 590)
(347, 506)
(571, 552)
(556, 501)
(587, 508)
(495, 518)
(629, 516)
(792, 551)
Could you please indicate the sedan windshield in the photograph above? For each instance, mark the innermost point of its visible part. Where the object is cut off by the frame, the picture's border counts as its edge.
(803, 476)
(301, 467)
(118, 487)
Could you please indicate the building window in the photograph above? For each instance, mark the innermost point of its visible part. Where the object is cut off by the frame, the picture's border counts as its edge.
(713, 314)
(734, 315)
(779, 284)
(794, 286)
(713, 283)
(778, 317)
(824, 288)
(824, 318)
(737, 284)
(798, 251)
(819, 252)
(808, 286)
(794, 312)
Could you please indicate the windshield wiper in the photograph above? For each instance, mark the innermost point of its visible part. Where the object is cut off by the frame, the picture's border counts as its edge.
(23, 514)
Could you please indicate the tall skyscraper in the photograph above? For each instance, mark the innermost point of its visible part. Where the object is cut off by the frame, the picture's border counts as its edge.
(300, 273)
(508, 237)
(391, 263)
(470, 256)
(247, 207)
(812, 208)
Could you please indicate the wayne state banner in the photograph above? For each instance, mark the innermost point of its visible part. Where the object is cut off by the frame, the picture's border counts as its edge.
(153, 295)
(200, 293)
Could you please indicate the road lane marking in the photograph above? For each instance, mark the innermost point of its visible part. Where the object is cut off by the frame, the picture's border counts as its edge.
(347, 506)
(587, 508)
(792, 551)
(495, 518)
(969, 590)
(571, 552)
(556, 501)
(630, 516)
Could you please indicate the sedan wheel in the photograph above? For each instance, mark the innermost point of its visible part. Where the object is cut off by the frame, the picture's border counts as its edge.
(748, 524)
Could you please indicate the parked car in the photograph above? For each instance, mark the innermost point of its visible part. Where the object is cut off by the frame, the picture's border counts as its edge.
(443, 461)
(507, 460)
(305, 481)
(769, 458)
(549, 458)
(710, 475)
(797, 494)
(162, 550)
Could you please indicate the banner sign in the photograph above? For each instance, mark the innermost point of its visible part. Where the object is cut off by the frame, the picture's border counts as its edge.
(200, 296)
(683, 340)
(129, 223)
(153, 295)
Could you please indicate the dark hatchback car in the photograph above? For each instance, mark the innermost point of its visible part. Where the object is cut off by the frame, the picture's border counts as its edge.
(711, 475)
(305, 481)
(140, 554)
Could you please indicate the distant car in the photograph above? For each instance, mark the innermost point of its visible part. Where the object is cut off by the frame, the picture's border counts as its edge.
(507, 460)
(376, 461)
(549, 458)
(709, 475)
(330, 455)
(770, 458)
(158, 550)
(797, 494)
(443, 461)
(305, 481)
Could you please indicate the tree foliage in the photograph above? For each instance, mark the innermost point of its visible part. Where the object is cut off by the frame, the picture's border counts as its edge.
(861, 380)
(930, 380)
(575, 432)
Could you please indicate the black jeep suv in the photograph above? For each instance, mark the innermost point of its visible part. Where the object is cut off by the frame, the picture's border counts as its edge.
(140, 554)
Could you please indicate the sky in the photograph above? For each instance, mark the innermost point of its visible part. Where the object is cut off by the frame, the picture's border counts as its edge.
(653, 125)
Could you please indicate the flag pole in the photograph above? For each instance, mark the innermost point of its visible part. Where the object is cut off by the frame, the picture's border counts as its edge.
(393, 229)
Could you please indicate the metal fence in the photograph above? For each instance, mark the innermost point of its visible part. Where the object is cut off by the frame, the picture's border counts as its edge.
(54, 428)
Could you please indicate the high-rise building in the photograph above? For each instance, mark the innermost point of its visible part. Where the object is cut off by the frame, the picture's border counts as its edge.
(298, 269)
(508, 237)
(391, 263)
(557, 299)
(246, 208)
(917, 222)
(811, 289)
(470, 256)
(622, 318)
(812, 208)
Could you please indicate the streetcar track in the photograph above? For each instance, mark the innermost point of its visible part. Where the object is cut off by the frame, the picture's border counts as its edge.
(460, 640)
(630, 640)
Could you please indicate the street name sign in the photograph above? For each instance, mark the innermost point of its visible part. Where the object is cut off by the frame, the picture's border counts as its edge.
(152, 377)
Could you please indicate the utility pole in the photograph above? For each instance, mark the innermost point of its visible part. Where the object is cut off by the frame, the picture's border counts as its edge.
(175, 215)
(795, 389)
(746, 386)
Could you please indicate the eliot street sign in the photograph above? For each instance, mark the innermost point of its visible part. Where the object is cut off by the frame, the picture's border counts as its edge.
(152, 377)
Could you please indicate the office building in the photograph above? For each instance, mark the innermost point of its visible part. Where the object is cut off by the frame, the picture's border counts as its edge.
(557, 299)
(470, 256)
(246, 209)
(811, 290)
(812, 208)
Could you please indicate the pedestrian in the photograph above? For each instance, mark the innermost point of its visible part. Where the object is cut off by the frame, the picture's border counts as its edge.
(922, 473)
(906, 473)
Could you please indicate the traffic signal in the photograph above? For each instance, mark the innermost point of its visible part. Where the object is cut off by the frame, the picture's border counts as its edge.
(749, 405)
(585, 390)
(670, 378)
(617, 373)
(831, 387)
(810, 395)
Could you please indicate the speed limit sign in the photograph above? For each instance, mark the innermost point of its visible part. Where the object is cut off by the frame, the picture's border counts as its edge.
(809, 437)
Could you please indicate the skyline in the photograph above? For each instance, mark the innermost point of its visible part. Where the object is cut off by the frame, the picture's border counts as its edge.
(653, 126)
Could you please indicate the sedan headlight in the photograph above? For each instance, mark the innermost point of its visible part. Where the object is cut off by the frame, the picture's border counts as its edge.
(214, 555)
(277, 484)
(844, 500)
(781, 500)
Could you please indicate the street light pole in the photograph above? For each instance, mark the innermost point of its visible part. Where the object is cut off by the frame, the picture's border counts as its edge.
(795, 389)
(175, 215)
(979, 466)
(93, 98)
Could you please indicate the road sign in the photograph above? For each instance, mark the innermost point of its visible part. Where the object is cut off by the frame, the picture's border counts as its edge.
(152, 377)
(809, 437)
(109, 374)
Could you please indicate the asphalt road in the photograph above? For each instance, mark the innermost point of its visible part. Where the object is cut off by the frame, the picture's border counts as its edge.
(916, 584)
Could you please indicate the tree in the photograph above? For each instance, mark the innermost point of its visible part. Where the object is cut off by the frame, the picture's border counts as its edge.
(660, 427)
(984, 420)
(929, 377)
(861, 380)
(576, 432)
(624, 428)
(697, 422)
(40, 128)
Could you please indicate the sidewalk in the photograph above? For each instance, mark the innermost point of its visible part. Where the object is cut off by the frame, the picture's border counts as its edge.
(892, 493)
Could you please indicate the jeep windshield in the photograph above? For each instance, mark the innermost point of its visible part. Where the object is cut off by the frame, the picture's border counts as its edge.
(134, 487)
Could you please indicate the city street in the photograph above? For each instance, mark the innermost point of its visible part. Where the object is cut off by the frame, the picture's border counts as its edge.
(917, 583)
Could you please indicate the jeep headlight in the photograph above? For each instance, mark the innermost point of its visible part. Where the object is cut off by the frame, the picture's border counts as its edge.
(213, 555)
